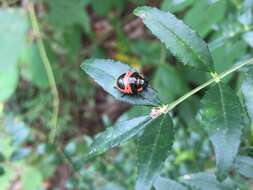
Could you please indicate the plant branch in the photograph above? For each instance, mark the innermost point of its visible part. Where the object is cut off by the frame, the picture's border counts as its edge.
(48, 69)
(216, 78)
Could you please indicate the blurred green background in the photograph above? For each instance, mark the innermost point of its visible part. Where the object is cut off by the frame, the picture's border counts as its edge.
(73, 30)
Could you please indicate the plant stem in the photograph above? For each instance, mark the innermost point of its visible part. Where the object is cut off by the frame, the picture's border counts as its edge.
(48, 69)
(215, 79)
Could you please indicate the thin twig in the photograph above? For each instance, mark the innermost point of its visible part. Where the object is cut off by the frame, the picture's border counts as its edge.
(48, 69)
(214, 79)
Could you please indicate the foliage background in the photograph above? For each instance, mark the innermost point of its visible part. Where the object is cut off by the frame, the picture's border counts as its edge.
(75, 30)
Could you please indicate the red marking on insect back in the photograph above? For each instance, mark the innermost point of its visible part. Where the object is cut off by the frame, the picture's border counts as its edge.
(139, 89)
(127, 89)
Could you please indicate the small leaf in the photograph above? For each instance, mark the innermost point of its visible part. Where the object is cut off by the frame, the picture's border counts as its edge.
(120, 133)
(106, 72)
(153, 148)
(244, 165)
(247, 91)
(178, 37)
(162, 183)
(222, 117)
(203, 181)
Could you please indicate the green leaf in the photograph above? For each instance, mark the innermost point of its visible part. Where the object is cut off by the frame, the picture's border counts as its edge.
(223, 119)
(13, 29)
(106, 72)
(247, 91)
(162, 183)
(204, 181)
(244, 165)
(168, 83)
(178, 37)
(204, 15)
(73, 13)
(120, 133)
(153, 148)
(176, 5)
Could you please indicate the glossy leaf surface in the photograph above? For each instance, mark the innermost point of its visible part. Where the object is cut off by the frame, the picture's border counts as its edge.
(182, 41)
(118, 134)
(223, 119)
(153, 148)
(106, 72)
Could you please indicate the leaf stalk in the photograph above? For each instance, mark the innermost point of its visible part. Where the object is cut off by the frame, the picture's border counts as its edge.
(216, 78)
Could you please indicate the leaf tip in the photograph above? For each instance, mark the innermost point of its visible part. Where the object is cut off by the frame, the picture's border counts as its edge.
(86, 62)
(141, 11)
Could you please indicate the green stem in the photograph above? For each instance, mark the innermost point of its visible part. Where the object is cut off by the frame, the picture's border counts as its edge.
(215, 79)
(48, 69)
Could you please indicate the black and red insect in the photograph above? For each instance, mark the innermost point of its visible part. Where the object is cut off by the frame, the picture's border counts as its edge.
(131, 83)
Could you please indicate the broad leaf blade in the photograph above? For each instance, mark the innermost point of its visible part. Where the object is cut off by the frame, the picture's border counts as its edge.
(244, 165)
(178, 37)
(222, 117)
(162, 183)
(153, 148)
(106, 72)
(120, 133)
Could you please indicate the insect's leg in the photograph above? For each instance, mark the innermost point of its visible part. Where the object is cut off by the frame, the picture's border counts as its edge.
(122, 95)
(141, 96)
